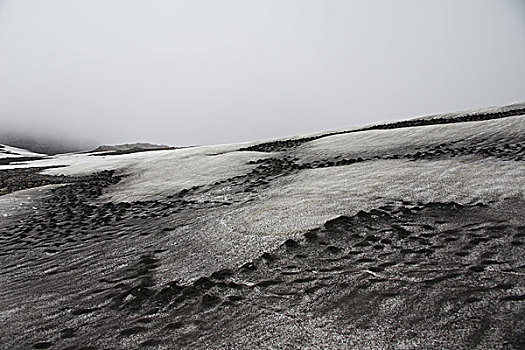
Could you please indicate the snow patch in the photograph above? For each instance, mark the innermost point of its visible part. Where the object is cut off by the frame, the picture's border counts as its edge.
(377, 142)
(315, 196)
(15, 152)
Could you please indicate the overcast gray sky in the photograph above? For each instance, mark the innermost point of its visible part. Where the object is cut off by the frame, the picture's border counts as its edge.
(208, 71)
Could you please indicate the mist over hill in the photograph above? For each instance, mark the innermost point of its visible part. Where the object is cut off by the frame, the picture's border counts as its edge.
(43, 143)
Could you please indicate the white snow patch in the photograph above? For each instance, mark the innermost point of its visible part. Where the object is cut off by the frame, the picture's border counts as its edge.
(155, 174)
(15, 152)
(312, 197)
(161, 176)
(375, 142)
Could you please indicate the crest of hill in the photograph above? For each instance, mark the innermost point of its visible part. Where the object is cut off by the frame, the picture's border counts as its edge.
(473, 115)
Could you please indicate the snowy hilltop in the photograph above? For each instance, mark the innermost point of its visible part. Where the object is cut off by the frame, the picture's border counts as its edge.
(403, 235)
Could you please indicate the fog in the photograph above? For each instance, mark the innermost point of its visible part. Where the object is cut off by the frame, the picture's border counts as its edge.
(207, 72)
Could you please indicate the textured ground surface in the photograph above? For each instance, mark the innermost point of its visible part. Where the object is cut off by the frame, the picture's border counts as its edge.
(404, 236)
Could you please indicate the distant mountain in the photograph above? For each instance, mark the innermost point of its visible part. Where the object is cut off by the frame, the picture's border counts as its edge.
(130, 148)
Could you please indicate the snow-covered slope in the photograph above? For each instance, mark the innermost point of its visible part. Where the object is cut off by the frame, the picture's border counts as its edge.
(380, 237)
(306, 199)
(14, 152)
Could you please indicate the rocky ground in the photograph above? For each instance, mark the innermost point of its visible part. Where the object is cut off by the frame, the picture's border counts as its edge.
(80, 272)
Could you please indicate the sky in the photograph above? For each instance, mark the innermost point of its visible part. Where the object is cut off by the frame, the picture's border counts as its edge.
(207, 72)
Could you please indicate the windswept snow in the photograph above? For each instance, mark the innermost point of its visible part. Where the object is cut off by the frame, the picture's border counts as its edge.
(370, 143)
(157, 173)
(162, 175)
(316, 196)
(307, 199)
